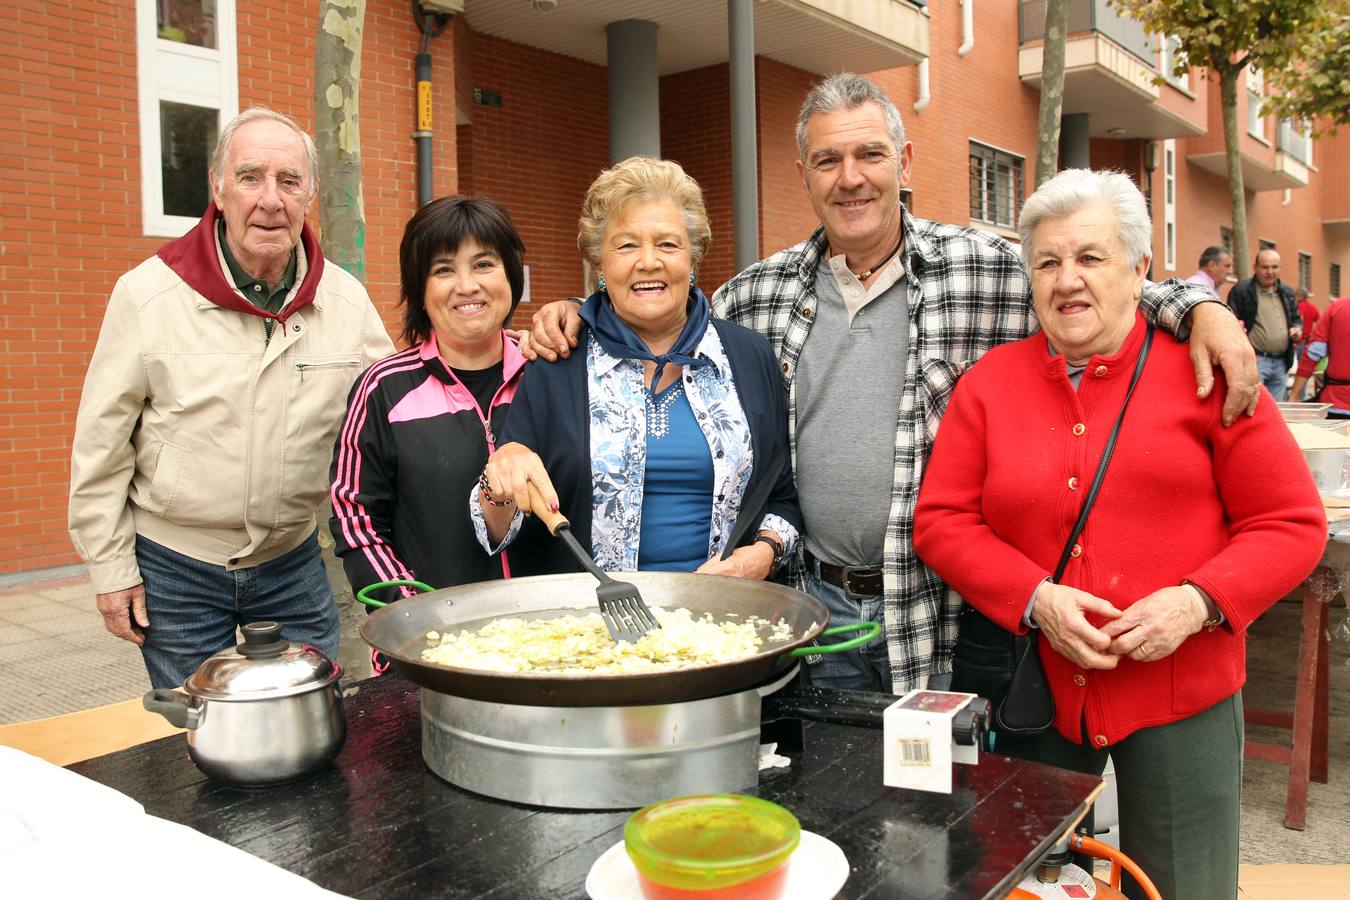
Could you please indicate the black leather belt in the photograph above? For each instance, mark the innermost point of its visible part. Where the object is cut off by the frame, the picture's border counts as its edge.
(863, 581)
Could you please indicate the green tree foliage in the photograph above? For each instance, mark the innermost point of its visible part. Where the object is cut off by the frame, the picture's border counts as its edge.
(1227, 36)
(1318, 86)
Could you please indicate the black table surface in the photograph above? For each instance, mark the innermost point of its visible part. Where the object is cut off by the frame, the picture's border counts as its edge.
(378, 823)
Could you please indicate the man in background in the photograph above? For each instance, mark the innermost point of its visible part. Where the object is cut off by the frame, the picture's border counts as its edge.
(1267, 309)
(1216, 264)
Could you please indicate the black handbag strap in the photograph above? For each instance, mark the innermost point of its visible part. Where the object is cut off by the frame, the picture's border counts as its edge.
(1106, 459)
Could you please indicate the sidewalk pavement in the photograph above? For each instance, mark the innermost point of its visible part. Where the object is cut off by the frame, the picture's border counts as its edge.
(55, 657)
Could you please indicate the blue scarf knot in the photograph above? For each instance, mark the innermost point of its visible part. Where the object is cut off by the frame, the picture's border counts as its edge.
(621, 342)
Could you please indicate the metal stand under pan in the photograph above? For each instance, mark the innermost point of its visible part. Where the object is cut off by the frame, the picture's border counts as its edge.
(599, 757)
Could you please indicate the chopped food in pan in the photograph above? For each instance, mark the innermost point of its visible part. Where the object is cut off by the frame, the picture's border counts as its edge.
(580, 644)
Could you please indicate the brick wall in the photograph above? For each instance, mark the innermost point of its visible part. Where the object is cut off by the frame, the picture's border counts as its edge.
(539, 152)
(70, 217)
(696, 133)
(785, 215)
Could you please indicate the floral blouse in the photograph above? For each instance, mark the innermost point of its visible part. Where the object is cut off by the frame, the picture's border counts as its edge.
(618, 438)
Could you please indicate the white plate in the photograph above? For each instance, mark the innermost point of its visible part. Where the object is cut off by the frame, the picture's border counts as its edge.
(817, 870)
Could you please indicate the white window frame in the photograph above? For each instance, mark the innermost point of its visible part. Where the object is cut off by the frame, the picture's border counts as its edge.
(1169, 46)
(179, 73)
(1256, 94)
(1294, 136)
(1170, 205)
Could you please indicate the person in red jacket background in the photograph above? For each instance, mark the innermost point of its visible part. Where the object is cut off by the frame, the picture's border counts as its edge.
(1329, 340)
(1197, 530)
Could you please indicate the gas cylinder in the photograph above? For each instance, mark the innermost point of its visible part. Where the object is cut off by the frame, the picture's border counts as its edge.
(1067, 882)
(1057, 879)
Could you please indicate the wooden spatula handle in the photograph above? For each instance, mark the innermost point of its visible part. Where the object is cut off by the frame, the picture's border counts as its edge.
(552, 520)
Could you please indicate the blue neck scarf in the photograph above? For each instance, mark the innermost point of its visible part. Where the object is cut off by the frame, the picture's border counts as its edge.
(618, 340)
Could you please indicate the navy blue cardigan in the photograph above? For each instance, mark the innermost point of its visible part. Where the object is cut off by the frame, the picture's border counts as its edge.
(551, 415)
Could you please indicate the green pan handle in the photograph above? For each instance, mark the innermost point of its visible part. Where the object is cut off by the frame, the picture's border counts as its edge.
(869, 631)
(363, 595)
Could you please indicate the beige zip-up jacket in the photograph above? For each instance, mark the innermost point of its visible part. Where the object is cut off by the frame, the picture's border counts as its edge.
(198, 433)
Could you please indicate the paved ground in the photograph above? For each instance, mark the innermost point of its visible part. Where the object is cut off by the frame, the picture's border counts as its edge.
(55, 658)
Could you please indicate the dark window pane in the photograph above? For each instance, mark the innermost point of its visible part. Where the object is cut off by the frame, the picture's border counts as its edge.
(187, 135)
(187, 21)
(1334, 285)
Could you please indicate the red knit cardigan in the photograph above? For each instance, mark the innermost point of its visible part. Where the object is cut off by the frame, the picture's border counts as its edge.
(1233, 510)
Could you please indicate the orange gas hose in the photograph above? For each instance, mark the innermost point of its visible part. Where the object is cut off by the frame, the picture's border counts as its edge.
(1094, 847)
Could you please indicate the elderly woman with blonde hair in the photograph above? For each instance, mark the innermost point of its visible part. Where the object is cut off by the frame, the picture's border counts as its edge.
(1196, 530)
(650, 438)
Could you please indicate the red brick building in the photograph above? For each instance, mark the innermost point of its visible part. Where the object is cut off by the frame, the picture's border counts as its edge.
(114, 104)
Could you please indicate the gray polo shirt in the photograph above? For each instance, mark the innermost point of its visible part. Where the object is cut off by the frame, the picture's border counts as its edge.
(850, 377)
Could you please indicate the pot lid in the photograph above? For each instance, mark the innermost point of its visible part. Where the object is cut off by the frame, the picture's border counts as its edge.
(264, 666)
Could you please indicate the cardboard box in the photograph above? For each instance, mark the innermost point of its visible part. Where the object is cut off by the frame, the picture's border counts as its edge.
(1290, 882)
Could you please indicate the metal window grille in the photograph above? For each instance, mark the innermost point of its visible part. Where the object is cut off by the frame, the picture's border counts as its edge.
(1305, 271)
(1226, 238)
(1334, 282)
(1264, 244)
(995, 186)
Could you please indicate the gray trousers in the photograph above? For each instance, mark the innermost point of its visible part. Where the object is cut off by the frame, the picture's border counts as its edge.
(1179, 788)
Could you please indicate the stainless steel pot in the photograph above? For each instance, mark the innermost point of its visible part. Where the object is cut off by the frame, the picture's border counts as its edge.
(265, 712)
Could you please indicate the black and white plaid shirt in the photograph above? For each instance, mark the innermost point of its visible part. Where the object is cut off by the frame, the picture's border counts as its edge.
(967, 291)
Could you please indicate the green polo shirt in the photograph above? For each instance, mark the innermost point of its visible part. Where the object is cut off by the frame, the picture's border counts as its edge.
(255, 289)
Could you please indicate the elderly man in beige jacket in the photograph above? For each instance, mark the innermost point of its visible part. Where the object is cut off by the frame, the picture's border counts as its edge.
(209, 412)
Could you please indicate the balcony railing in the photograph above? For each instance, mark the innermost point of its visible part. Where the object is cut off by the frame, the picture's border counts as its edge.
(1293, 138)
(1091, 15)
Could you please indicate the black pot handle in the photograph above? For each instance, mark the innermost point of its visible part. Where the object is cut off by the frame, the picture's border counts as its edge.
(174, 706)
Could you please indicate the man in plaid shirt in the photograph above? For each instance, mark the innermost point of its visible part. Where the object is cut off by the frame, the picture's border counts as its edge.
(880, 311)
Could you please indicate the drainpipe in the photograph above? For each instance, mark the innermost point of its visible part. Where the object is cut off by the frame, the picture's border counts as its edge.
(744, 137)
(422, 76)
(922, 103)
(967, 27)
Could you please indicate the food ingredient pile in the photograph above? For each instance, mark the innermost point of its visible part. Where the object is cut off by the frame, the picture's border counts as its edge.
(582, 645)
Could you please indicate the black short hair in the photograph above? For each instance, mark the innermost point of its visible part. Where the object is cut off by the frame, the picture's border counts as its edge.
(1210, 255)
(443, 224)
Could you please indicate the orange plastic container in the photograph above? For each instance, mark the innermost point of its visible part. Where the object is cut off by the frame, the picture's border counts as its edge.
(711, 847)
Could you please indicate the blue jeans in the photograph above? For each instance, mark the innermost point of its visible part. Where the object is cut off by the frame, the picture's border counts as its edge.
(195, 607)
(1274, 375)
(867, 668)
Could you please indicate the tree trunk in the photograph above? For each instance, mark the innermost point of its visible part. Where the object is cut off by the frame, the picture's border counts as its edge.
(1232, 142)
(337, 81)
(1052, 89)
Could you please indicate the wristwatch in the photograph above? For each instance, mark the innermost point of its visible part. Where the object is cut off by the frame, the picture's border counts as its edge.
(1213, 620)
(777, 547)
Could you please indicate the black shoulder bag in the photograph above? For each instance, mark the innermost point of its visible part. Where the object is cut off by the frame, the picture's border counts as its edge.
(1004, 667)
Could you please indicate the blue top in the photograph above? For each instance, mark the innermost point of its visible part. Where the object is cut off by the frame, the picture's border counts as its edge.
(676, 515)
(553, 400)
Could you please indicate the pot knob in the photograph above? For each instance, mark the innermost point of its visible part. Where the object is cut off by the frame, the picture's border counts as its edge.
(262, 640)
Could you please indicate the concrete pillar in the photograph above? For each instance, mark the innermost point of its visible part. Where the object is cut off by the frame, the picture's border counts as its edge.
(744, 133)
(634, 90)
(1074, 152)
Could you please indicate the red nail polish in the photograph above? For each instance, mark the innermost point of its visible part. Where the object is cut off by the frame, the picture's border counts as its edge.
(553, 507)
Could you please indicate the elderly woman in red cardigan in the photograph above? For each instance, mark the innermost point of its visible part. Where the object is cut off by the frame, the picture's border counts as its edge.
(1196, 531)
